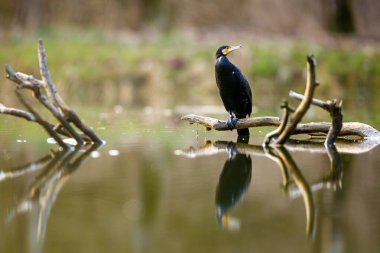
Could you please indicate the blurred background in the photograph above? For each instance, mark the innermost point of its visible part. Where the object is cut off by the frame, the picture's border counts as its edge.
(160, 53)
(131, 68)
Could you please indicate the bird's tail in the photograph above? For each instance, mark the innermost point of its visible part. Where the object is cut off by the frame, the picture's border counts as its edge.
(243, 132)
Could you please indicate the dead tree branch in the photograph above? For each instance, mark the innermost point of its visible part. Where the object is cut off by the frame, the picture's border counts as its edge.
(45, 92)
(221, 125)
(17, 113)
(275, 133)
(48, 127)
(348, 129)
(335, 110)
(69, 114)
(48, 84)
(295, 118)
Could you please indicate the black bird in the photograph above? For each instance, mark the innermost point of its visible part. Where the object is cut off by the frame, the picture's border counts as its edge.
(233, 89)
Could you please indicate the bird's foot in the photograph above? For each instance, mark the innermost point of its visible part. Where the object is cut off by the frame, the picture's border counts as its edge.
(231, 122)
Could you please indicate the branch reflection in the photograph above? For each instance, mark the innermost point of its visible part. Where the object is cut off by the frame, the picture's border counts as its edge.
(293, 180)
(237, 170)
(54, 170)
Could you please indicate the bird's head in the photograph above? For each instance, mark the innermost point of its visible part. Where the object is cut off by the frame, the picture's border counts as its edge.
(225, 50)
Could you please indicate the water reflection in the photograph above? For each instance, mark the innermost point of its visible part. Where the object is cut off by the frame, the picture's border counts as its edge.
(294, 183)
(334, 179)
(233, 184)
(236, 175)
(54, 170)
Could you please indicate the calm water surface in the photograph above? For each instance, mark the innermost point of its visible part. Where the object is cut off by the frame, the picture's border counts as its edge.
(175, 188)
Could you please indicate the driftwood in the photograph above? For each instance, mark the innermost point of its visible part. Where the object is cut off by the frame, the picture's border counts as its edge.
(45, 92)
(292, 117)
(335, 110)
(360, 130)
(289, 125)
(221, 125)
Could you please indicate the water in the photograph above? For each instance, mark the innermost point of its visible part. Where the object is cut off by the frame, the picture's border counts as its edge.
(164, 186)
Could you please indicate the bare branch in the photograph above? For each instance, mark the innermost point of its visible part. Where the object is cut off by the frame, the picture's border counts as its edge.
(45, 74)
(348, 129)
(43, 100)
(58, 102)
(335, 111)
(220, 125)
(17, 113)
(47, 126)
(275, 133)
(74, 118)
(314, 101)
(46, 93)
(311, 84)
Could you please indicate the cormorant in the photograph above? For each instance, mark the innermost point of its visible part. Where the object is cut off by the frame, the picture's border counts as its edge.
(233, 89)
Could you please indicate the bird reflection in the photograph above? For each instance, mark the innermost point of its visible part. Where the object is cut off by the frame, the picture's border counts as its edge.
(54, 170)
(237, 170)
(233, 184)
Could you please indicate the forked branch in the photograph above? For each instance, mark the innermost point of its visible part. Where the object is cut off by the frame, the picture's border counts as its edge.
(296, 117)
(45, 92)
(335, 110)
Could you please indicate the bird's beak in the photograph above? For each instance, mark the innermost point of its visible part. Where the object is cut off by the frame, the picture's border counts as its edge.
(230, 49)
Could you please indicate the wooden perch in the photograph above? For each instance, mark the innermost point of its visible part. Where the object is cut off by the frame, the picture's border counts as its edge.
(348, 129)
(221, 125)
(45, 92)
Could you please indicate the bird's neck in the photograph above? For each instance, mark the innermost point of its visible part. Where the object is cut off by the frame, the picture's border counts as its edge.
(221, 58)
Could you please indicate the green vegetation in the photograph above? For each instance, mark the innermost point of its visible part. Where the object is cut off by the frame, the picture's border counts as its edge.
(171, 70)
